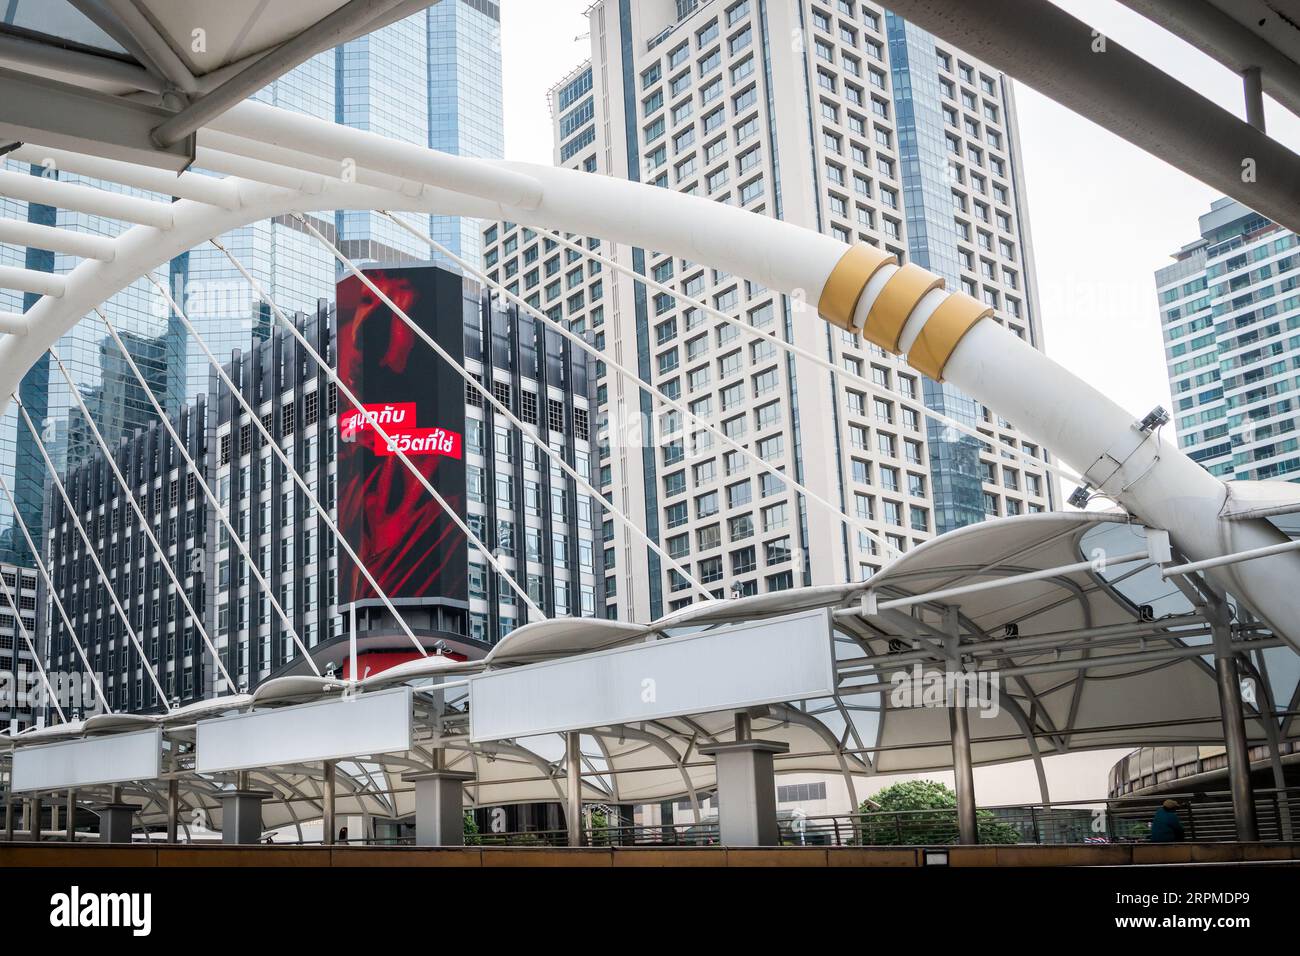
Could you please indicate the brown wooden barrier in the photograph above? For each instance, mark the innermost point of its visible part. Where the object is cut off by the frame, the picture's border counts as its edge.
(87, 855)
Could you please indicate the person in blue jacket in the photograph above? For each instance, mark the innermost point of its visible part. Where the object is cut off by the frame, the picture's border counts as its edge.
(1165, 825)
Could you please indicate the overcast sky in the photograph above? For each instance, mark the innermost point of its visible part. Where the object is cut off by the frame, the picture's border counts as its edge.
(1104, 214)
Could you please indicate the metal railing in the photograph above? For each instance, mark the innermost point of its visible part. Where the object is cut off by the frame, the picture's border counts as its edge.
(1206, 818)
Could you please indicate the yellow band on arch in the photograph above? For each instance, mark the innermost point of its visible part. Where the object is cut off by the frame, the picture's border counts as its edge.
(897, 299)
(843, 288)
(943, 331)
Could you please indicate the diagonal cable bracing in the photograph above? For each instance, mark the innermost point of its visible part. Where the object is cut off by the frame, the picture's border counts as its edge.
(90, 549)
(653, 390)
(260, 292)
(501, 409)
(36, 658)
(321, 511)
(207, 492)
(54, 594)
(140, 515)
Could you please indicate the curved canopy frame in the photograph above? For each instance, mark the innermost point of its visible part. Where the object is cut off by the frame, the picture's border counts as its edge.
(1087, 668)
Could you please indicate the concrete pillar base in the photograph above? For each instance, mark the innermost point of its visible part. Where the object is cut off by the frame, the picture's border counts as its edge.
(241, 816)
(439, 807)
(746, 791)
(115, 822)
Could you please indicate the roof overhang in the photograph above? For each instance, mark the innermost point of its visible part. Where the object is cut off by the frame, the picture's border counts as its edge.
(134, 80)
(1044, 47)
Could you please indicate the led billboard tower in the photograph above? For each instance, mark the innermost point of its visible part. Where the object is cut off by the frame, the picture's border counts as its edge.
(410, 545)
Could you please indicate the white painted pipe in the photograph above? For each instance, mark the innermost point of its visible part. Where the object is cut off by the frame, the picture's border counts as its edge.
(84, 245)
(31, 280)
(200, 188)
(269, 125)
(14, 323)
(87, 199)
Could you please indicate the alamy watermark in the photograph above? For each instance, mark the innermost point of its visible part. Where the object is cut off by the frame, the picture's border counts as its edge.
(71, 690)
(977, 690)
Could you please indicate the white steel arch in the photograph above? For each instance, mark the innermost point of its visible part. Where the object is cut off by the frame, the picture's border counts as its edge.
(289, 163)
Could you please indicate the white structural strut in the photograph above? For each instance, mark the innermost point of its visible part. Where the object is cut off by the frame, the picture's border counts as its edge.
(97, 202)
(1153, 480)
(20, 232)
(31, 280)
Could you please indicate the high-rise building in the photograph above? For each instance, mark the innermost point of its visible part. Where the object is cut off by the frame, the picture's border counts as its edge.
(1230, 317)
(21, 701)
(539, 524)
(843, 118)
(433, 78)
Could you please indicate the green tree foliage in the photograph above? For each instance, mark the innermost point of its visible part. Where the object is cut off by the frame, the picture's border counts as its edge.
(923, 812)
(472, 837)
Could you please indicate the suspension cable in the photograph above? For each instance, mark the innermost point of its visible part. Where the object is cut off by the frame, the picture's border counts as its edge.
(351, 397)
(144, 522)
(502, 410)
(90, 550)
(653, 390)
(207, 491)
(54, 594)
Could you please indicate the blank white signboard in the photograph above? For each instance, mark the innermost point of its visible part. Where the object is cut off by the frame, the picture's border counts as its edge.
(83, 763)
(730, 668)
(330, 730)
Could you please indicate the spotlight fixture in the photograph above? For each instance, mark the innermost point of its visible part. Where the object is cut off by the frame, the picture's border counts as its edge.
(1079, 497)
(1154, 419)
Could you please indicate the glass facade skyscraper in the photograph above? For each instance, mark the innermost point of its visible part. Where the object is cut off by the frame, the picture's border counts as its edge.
(465, 115)
(1230, 319)
(433, 78)
(932, 242)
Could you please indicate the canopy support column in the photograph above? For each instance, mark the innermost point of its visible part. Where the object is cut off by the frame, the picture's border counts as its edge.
(34, 817)
(746, 787)
(1234, 731)
(173, 809)
(331, 780)
(241, 816)
(115, 822)
(963, 773)
(439, 807)
(9, 817)
(1268, 709)
(71, 813)
(573, 786)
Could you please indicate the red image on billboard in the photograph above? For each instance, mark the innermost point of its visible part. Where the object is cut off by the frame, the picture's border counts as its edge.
(412, 401)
